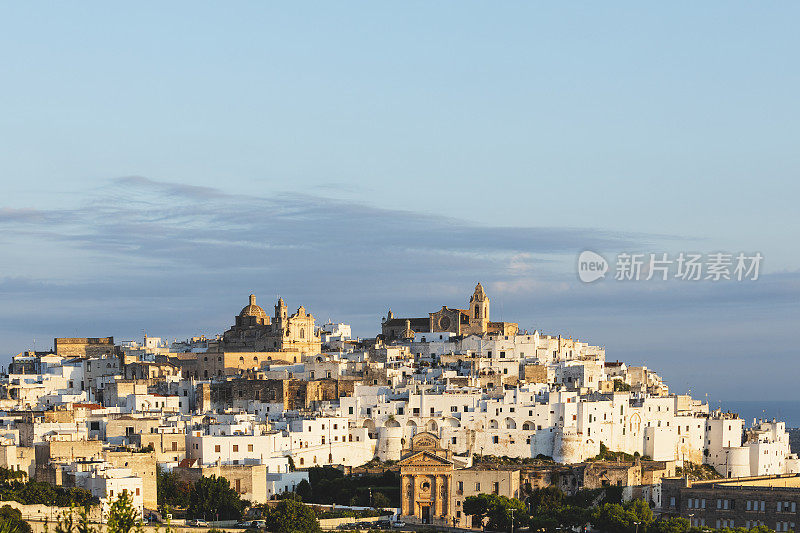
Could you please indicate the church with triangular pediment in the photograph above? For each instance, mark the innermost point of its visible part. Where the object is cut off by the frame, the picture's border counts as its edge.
(426, 471)
(435, 483)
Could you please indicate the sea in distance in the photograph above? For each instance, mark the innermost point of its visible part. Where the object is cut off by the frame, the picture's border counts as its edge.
(787, 411)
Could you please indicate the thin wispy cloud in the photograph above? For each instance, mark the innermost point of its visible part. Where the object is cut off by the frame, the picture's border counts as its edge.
(179, 260)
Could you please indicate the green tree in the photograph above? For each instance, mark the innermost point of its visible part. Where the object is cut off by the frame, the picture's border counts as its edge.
(379, 499)
(213, 497)
(329, 485)
(622, 518)
(65, 522)
(11, 521)
(547, 500)
(675, 524)
(84, 525)
(291, 516)
(288, 496)
(477, 507)
(123, 517)
(621, 386)
(303, 490)
(571, 516)
(503, 511)
(6, 474)
(498, 509)
(172, 490)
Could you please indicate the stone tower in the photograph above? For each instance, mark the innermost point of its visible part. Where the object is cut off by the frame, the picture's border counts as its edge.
(280, 314)
(479, 310)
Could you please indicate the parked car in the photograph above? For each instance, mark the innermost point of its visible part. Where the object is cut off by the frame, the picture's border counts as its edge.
(398, 524)
(197, 522)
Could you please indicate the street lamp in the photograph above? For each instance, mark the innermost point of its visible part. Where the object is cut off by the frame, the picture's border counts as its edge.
(512, 520)
(637, 526)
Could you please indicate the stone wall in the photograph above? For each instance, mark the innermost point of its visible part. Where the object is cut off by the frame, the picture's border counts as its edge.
(37, 512)
(250, 481)
(83, 347)
(143, 465)
(56, 451)
(295, 394)
(536, 373)
(705, 502)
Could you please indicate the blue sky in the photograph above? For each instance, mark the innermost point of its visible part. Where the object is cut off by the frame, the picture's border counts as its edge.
(159, 162)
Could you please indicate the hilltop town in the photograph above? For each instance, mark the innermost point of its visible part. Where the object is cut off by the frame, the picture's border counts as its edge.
(453, 403)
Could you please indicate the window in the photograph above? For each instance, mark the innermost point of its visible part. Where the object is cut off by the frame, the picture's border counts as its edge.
(496, 487)
(137, 491)
(478, 486)
(235, 447)
(249, 447)
(216, 448)
(786, 507)
(495, 440)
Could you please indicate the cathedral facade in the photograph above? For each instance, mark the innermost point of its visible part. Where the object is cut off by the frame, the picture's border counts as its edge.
(474, 320)
(255, 331)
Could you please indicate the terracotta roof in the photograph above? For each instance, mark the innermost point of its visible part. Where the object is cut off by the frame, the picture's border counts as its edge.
(87, 406)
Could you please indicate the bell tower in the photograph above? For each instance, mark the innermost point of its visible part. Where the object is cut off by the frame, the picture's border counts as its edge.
(479, 310)
(280, 313)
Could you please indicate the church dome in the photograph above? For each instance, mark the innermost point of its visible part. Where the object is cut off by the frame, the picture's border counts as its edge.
(253, 309)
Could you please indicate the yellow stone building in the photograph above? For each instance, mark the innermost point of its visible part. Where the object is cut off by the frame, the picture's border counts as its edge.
(435, 483)
(255, 331)
(426, 472)
(474, 320)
